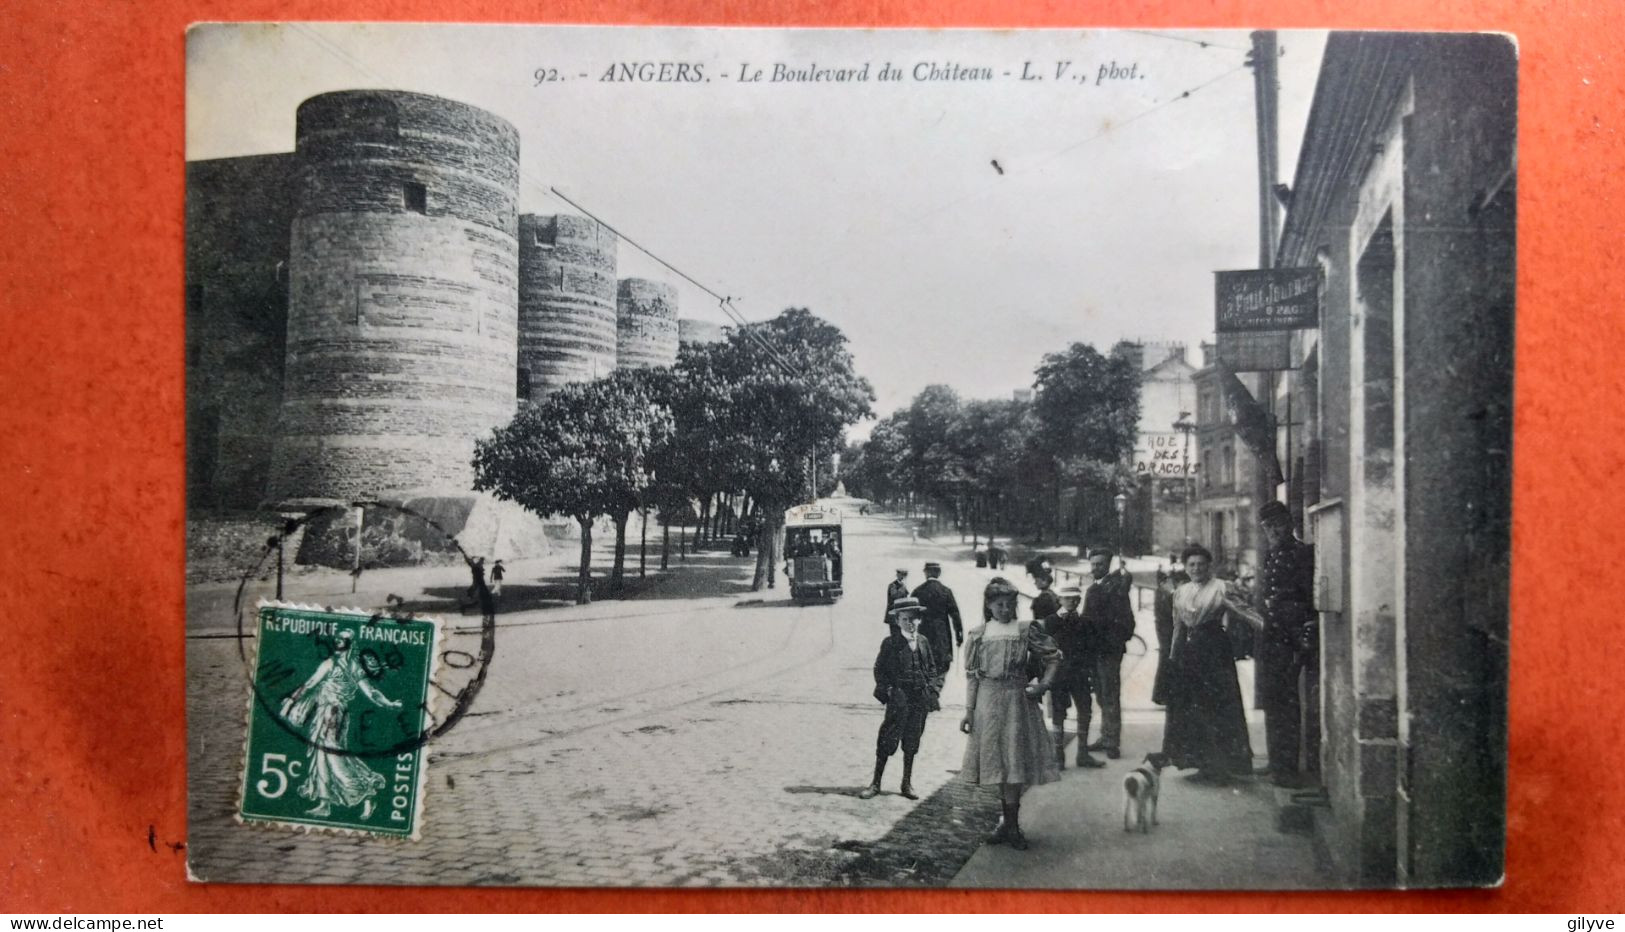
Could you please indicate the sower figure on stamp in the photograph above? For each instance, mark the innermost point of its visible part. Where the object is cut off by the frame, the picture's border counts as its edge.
(323, 704)
(897, 589)
(1286, 597)
(1071, 688)
(1108, 620)
(908, 680)
(940, 611)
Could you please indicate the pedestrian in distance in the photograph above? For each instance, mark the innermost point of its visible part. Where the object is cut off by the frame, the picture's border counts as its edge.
(996, 556)
(1009, 665)
(1072, 681)
(908, 681)
(1108, 621)
(1286, 585)
(941, 625)
(897, 589)
(497, 572)
(1206, 724)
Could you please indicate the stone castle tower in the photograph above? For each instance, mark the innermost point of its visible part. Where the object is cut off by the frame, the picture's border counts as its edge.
(567, 328)
(646, 314)
(402, 327)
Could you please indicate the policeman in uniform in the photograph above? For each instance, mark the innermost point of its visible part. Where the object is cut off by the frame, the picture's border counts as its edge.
(940, 610)
(908, 680)
(897, 589)
(1071, 687)
(1286, 599)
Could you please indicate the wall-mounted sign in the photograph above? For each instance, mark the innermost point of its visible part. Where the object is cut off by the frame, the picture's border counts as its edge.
(1256, 352)
(1255, 300)
(1164, 455)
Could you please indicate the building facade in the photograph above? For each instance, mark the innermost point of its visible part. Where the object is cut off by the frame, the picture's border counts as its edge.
(1404, 197)
(1225, 502)
(1165, 460)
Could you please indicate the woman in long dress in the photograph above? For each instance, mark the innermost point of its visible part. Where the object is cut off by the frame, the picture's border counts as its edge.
(1009, 744)
(1206, 726)
(335, 778)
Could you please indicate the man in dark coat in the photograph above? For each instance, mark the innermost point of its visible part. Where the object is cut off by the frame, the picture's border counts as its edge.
(1071, 687)
(897, 589)
(940, 611)
(1285, 598)
(1108, 621)
(908, 681)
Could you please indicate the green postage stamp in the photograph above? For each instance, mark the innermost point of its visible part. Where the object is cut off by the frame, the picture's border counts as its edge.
(339, 712)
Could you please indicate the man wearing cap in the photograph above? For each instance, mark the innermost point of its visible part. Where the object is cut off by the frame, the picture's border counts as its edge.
(1286, 600)
(1071, 687)
(1108, 623)
(940, 610)
(898, 589)
(908, 681)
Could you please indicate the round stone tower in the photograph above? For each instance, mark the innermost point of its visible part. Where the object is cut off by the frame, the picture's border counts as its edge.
(566, 302)
(403, 295)
(646, 318)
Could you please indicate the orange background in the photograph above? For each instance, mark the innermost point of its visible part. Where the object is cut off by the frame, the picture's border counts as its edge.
(92, 719)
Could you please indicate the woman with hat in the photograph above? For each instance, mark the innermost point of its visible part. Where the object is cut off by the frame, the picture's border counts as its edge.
(1008, 744)
(908, 680)
(1206, 726)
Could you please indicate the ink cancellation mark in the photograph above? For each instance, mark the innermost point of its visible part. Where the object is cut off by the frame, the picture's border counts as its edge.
(339, 712)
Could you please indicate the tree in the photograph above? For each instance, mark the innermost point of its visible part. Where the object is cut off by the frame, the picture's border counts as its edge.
(760, 421)
(582, 451)
(1088, 410)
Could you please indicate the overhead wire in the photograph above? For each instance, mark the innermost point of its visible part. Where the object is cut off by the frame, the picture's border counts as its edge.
(1201, 42)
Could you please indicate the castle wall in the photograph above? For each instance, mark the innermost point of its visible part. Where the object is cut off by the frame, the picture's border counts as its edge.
(238, 215)
(403, 313)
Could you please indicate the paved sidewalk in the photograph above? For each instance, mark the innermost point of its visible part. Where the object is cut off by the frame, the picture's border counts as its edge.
(1208, 837)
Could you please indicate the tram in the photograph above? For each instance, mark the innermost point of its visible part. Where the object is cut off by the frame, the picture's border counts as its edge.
(813, 553)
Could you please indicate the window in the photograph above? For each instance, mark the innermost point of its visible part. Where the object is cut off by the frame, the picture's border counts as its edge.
(1227, 465)
(415, 196)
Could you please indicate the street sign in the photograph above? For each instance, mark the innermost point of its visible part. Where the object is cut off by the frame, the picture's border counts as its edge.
(1164, 455)
(1267, 300)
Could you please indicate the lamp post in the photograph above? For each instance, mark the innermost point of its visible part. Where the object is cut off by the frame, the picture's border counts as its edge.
(1121, 501)
(1184, 426)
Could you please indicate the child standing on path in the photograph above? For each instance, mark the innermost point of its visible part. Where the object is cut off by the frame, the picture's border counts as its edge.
(908, 681)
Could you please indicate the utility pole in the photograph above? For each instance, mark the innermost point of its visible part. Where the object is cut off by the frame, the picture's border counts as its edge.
(1266, 91)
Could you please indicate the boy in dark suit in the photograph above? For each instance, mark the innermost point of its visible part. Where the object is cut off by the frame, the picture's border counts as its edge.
(908, 681)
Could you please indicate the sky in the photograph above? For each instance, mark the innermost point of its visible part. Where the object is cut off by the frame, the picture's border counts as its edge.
(875, 204)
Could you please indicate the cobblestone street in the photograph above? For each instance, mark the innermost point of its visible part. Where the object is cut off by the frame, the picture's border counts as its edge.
(693, 734)
(698, 734)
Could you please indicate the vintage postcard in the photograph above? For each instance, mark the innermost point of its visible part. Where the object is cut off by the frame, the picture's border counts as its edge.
(741, 457)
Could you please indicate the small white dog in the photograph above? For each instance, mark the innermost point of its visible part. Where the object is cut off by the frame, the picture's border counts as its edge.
(1140, 790)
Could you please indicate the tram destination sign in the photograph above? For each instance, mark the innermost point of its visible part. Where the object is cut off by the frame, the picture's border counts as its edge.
(1261, 300)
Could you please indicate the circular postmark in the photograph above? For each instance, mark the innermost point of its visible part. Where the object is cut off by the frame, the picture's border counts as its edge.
(340, 652)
